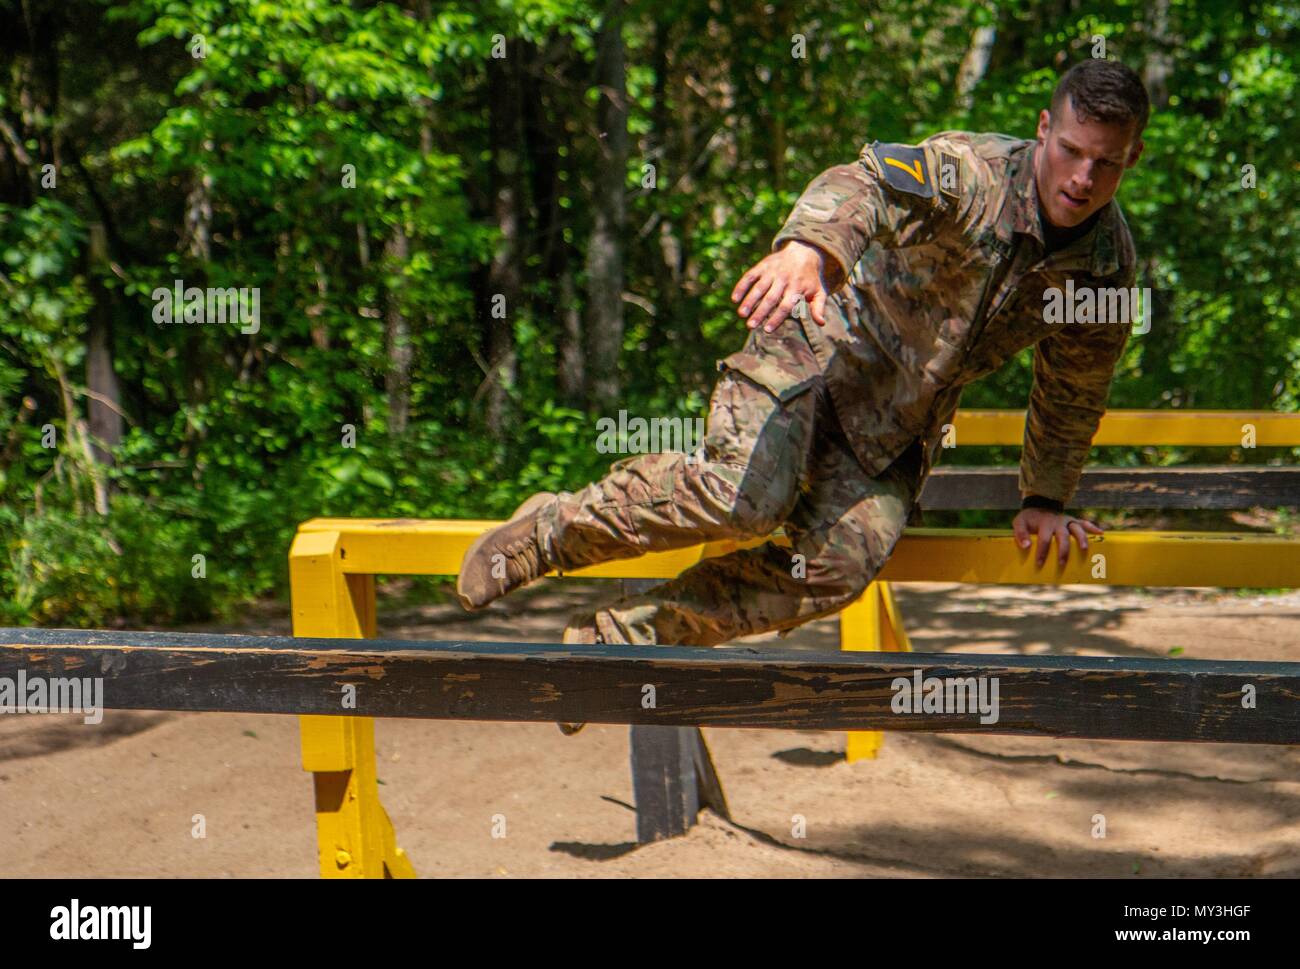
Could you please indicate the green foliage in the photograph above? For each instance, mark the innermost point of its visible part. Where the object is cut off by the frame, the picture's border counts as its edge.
(339, 157)
(71, 569)
(45, 298)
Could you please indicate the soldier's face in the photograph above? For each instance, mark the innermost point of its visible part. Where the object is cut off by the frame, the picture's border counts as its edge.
(1079, 164)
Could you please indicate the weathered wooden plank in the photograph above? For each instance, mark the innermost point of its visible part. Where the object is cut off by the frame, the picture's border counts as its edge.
(707, 781)
(672, 778)
(667, 765)
(1156, 488)
(1068, 696)
(663, 781)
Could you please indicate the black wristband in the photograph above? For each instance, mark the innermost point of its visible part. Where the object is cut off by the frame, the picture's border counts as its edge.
(1038, 501)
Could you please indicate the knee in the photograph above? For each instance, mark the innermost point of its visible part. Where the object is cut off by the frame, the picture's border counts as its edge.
(840, 578)
(758, 508)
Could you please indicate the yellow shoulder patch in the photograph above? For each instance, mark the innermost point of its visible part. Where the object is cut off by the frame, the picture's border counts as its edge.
(903, 167)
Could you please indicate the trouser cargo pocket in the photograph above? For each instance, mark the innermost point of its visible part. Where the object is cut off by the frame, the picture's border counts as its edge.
(760, 429)
(780, 382)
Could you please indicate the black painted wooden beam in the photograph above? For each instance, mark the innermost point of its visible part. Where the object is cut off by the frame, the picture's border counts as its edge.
(959, 488)
(1066, 696)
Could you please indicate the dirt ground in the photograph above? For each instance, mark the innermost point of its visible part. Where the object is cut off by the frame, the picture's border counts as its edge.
(120, 799)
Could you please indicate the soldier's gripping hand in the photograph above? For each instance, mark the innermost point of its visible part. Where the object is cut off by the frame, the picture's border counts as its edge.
(773, 287)
(1048, 525)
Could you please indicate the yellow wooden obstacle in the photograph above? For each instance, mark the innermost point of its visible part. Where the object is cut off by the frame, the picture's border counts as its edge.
(355, 838)
(334, 560)
(333, 563)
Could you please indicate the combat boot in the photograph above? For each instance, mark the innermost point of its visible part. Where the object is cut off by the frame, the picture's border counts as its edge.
(504, 558)
(585, 634)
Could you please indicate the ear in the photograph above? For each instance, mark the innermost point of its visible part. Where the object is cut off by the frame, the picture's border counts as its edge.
(1135, 153)
(1044, 124)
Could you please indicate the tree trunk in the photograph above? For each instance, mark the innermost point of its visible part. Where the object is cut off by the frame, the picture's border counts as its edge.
(198, 213)
(550, 153)
(573, 369)
(778, 30)
(320, 335)
(198, 242)
(76, 440)
(666, 259)
(605, 247)
(974, 65)
(104, 406)
(397, 335)
(1159, 64)
(505, 280)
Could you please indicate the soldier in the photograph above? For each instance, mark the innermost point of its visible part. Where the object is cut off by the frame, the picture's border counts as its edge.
(896, 281)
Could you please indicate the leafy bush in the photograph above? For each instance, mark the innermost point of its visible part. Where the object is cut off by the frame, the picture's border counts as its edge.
(133, 565)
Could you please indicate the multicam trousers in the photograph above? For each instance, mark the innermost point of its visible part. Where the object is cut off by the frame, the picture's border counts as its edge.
(773, 455)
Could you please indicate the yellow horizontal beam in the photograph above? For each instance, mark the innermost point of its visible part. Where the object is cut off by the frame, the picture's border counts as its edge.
(1138, 558)
(1202, 428)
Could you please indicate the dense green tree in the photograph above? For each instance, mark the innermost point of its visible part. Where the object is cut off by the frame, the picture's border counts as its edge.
(474, 227)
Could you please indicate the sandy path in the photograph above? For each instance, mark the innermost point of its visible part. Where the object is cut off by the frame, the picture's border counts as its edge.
(119, 799)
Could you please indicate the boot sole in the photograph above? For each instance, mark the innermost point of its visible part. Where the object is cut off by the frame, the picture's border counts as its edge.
(527, 508)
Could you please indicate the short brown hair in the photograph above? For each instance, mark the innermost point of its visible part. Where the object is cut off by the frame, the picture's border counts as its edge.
(1105, 91)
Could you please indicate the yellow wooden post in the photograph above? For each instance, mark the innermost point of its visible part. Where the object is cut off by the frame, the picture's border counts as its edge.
(872, 624)
(354, 834)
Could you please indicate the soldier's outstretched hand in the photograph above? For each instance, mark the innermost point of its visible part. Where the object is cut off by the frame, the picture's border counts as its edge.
(773, 287)
(1048, 525)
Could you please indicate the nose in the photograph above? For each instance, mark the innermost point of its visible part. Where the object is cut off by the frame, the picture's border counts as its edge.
(1082, 176)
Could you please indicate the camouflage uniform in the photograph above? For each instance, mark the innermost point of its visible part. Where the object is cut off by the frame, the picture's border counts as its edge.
(937, 271)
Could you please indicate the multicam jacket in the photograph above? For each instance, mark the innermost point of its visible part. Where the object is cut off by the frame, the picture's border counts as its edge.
(938, 274)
